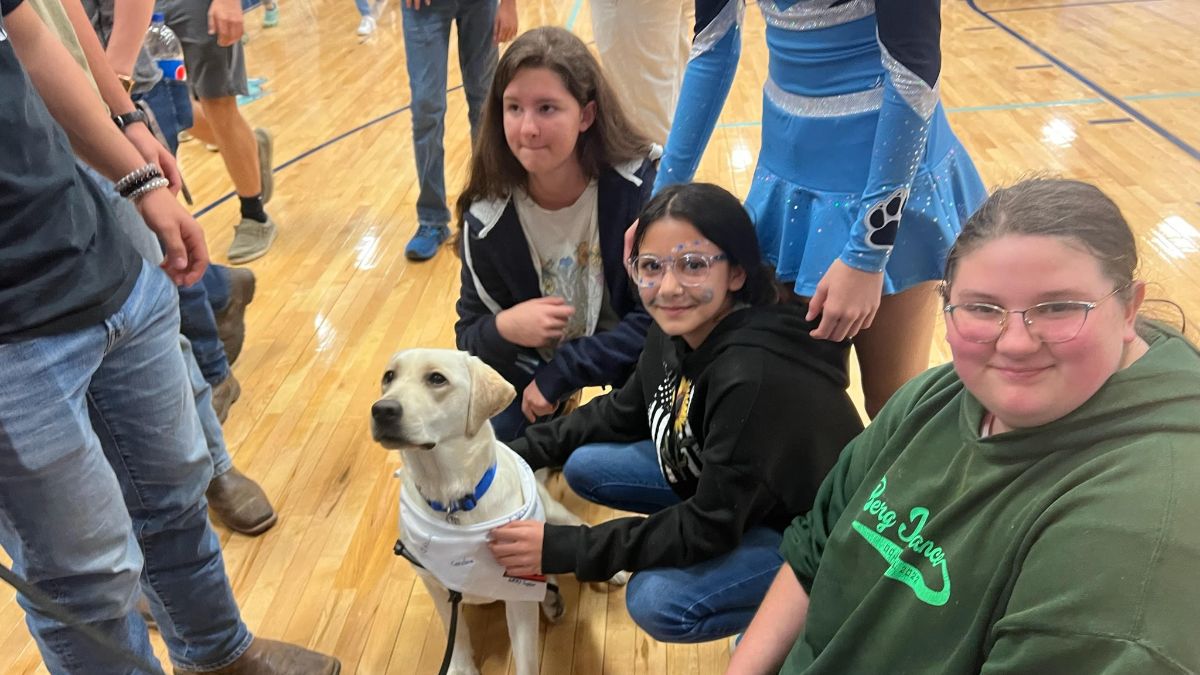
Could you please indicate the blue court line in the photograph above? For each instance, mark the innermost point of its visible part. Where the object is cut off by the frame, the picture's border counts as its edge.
(1125, 107)
(1162, 97)
(1069, 5)
(312, 151)
(573, 15)
(1023, 106)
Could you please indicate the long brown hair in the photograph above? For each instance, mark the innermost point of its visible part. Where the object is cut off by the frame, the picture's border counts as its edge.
(611, 140)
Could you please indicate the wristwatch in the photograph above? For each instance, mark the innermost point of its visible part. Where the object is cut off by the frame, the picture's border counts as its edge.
(125, 119)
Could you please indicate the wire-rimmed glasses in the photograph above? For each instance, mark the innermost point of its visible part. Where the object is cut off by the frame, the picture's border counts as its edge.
(1050, 322)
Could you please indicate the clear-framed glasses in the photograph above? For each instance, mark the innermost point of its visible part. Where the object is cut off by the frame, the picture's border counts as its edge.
(1050, 322)
(690, 269)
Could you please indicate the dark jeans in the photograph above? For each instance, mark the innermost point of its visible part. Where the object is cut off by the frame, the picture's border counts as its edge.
(198, 322)
(705, 601)
(172, 108)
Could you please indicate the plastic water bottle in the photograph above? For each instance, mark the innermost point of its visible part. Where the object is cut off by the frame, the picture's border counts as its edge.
(163, 46)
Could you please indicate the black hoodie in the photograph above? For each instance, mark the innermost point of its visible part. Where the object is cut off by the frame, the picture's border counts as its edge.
(761, 416)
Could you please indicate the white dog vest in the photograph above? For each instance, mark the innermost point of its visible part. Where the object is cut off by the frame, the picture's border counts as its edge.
(458, 555)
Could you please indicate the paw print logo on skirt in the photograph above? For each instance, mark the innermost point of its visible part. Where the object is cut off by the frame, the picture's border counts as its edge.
(883, 219)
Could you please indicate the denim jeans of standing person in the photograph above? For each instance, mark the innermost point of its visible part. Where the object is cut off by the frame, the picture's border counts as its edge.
(172, 106)
(102, 486)
(197, 303)
(211, 436)
(705, 601)
(426, 51)
(364, 7)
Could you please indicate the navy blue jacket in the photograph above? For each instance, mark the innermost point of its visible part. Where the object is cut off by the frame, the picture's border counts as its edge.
(498, 273)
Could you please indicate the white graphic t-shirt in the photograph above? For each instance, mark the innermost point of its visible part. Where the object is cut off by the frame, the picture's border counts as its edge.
(458, 555)
(565, 246)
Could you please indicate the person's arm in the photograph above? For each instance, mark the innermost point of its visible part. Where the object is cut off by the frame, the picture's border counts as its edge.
(475, 330)
(64, 89)
(114, 94)
(909, 34)
(743, 445)
(130, 20)
(848, 295)
(716, 48)
(617, 417)
(506, 24)
(775, 627)
(601, 359)
(226, 21)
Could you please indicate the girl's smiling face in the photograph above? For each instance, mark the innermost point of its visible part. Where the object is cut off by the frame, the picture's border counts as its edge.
(690, 312)
(1021, 380)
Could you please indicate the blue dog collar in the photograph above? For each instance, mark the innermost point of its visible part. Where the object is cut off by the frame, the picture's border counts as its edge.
(467, 502)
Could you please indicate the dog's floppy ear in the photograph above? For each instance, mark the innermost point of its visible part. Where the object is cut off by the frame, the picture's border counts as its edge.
(490, 393)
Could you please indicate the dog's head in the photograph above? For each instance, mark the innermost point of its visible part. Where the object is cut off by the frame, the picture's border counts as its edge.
(435, 395)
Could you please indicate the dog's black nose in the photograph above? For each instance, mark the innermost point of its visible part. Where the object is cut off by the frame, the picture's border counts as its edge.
(387, 411)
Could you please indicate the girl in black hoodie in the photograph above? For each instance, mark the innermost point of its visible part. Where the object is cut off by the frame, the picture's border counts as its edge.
(745, 414)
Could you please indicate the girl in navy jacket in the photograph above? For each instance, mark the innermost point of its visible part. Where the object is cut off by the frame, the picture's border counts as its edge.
(559, 172)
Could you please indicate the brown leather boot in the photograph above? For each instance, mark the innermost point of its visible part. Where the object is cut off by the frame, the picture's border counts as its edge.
(231, 321)
(240, 503)
(223, 396)
(270, 657)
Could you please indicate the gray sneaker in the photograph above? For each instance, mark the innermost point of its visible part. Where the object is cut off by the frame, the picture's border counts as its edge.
(251, 240)
(266, 157)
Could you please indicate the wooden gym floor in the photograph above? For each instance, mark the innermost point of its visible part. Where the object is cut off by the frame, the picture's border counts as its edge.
(1102, 90)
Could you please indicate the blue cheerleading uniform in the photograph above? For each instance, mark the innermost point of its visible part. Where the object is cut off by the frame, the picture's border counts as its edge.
(858, 161)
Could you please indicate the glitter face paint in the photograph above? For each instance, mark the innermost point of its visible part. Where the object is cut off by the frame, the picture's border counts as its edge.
(688, 312)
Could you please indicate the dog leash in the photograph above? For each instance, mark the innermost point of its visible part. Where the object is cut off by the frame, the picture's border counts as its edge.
(455, 600)
(48, 607)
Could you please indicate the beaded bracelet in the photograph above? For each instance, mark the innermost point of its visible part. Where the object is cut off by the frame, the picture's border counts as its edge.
(152, 184)
(137, 178)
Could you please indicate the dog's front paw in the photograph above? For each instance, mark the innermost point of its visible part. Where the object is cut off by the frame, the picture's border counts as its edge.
(462, 669)
(619, 579)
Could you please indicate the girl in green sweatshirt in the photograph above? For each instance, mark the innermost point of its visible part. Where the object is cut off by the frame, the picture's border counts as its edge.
(1029, 508)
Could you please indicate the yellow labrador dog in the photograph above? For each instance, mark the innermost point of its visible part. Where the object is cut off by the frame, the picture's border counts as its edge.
(458, 483)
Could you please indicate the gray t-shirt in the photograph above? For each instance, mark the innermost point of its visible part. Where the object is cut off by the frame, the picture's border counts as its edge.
(146, 73)
(63, 263)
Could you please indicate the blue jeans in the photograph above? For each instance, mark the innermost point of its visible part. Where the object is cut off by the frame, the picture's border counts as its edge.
(196, 302)
(211, 437)
(426, 50)
(705, 601)
(172, 107)
(102, 485)
(364, 7)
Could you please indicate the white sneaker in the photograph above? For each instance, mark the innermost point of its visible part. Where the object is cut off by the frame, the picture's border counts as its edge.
(366, 26)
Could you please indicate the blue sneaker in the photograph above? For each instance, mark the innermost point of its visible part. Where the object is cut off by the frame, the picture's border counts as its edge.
(424, 244)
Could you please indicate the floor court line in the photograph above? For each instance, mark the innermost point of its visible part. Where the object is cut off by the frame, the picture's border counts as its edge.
(1069, 5)
(1091, 84)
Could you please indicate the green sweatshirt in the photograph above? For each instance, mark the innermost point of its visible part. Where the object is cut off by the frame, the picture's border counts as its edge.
(1069, 548)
